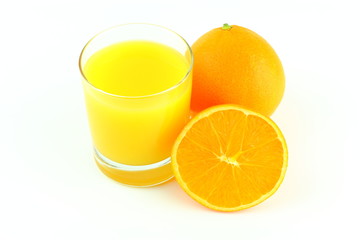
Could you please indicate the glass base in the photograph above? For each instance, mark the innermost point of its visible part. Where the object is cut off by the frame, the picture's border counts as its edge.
(136, 176)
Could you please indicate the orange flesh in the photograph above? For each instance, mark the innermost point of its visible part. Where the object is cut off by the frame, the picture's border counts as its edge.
(230, 158)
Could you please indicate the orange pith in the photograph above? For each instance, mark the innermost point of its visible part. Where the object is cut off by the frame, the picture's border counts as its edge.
(228, 158)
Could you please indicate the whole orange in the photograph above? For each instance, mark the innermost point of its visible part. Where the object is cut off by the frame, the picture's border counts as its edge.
(234, 65)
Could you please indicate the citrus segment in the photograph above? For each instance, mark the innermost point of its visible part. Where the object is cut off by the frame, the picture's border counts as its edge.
(228, 158)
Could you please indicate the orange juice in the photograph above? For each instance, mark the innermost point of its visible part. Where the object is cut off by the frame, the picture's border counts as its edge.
(137, 99)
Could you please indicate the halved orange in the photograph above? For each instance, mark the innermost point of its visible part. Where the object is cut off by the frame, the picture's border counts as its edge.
(228, 158)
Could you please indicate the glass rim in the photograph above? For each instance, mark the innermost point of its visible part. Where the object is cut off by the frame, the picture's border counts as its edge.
(142, 96)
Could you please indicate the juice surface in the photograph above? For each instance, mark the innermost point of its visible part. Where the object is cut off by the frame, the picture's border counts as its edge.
(140, 127)
(136, 68)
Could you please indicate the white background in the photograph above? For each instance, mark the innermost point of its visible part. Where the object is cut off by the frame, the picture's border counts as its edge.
(50, 187)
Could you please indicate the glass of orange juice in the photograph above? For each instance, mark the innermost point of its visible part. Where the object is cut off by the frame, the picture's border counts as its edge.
(137, 87)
